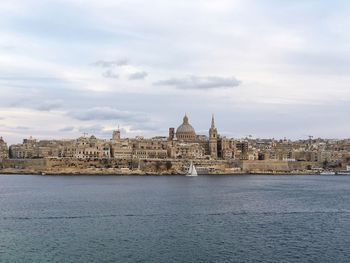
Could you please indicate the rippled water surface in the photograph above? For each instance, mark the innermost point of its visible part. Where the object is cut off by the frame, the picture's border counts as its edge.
(174, 219)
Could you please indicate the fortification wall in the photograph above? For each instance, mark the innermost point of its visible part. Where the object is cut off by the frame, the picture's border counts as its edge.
(118, 166)
(24, 163)
(277, 166)
(265, 166)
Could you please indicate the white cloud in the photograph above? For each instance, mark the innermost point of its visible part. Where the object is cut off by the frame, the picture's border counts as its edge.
(110, 74)
(107, 113)
(138, 75)
(50, 105)
(290, 54)
(195, 82)
(111, 63)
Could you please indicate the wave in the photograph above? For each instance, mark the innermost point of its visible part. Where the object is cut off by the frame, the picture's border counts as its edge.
(166, 215)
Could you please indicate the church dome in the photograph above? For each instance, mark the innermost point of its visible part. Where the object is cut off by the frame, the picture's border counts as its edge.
(185, 131)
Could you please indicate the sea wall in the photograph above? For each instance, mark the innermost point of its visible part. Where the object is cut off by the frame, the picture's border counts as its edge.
(277, 166)
(155, 166)
(24, 164)
(80, 166)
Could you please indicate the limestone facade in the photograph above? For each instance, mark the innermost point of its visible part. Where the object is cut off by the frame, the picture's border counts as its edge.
(183, 143)
(3, 149)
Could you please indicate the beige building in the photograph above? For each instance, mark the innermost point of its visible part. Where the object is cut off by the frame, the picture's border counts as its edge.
(185, 132)
(81, 148)
(183, 143)
(3, 149)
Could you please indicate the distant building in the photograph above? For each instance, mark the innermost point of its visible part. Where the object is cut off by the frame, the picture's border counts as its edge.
(213, 140)
(185, 132)
(184, 143)
(3, 149)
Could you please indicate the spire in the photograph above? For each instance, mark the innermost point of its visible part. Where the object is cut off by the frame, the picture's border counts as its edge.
(212, 121)
(185, 120)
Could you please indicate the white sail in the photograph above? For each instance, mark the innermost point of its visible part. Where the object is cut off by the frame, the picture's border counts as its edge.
(192, 170)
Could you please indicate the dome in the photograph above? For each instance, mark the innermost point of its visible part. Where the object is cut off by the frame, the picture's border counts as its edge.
(185, 131)
(185, 128)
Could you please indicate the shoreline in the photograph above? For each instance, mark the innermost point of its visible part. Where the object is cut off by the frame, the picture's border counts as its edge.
(71, 167)
(84, 173)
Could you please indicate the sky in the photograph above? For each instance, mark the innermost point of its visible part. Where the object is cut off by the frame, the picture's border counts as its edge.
(265, 68)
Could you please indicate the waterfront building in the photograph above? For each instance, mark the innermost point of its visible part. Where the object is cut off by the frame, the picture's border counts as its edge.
(81, 148)
(3, 149)
(188, 151)
(184, 143)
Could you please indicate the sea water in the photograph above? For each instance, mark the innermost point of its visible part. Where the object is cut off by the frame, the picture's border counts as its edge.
(174, 218)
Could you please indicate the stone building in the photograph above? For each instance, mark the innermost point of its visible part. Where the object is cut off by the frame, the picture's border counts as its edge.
(185, 132)
(91, 148)
(81, 148)
(213, 140)
(154, 148)
(139, 147)
(28, 149)
(183, 143)
(188, 151)
(3, 149)
(226, 148)
(189, 145)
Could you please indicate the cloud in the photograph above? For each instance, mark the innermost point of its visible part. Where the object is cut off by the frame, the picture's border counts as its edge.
(67, 129)
(120, 68)
(22, 128)
(107, 113)
(94, 129)
(288, 53)
(195, 82)
(138, 75)
(49, 105)
(147, 126)
(110, 63)
(7, 47)
(110, 74)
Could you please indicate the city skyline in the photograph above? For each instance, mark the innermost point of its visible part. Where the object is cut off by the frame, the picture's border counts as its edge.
(198, 133)
(268, 69)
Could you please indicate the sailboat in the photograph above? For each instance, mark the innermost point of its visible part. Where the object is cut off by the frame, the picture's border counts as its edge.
(192, 170)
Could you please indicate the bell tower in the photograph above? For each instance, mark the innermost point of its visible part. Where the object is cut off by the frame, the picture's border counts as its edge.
(116, 135)
(213, 139)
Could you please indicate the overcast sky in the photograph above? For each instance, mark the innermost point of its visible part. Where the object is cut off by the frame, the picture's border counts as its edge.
(266, 68)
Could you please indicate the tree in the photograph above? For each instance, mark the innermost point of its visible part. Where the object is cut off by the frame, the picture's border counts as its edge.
(158, 165)
(325, 164)
(168, 165)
